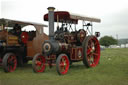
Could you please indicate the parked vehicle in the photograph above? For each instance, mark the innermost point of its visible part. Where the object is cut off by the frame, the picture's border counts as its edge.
(67, 45)
(17, 46)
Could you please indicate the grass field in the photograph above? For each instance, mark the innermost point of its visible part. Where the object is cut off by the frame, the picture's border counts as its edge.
(112, 70)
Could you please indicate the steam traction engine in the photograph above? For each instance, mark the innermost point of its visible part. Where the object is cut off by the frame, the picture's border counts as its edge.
(18, 46)
(66, 45)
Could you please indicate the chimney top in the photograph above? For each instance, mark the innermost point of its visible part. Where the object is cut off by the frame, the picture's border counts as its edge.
(51, 8)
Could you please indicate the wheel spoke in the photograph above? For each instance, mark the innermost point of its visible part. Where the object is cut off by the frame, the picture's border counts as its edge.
(15, 61)
(63, 60)
(62, 68)
(89, 50)
(95, 43)
(38, 63)
(91, 43)
(9, 60)
(11, 68)
(95, 54)
(61, 64)
(89, 57)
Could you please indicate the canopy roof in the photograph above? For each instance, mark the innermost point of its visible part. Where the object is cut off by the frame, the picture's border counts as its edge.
(65, 16)
(11, 23)
(85, 18)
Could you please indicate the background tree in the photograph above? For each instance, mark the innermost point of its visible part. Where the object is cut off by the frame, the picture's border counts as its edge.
(107, 41)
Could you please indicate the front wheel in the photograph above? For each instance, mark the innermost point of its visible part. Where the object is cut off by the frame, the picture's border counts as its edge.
(62, 64)
(9, 62)
(38, 63)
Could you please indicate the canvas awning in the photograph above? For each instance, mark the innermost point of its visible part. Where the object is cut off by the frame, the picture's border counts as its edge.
(65, 16)
(11, 23)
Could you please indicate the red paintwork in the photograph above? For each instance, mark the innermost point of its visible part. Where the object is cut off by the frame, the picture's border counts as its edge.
(64, 68)
(51, 57)
(68, 45)
(40, 63)
(24, 37)
(74, 53)
(63, 16)
(12, 63)
(93, 56)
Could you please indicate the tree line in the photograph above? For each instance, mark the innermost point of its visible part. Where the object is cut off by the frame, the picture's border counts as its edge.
(107, 41)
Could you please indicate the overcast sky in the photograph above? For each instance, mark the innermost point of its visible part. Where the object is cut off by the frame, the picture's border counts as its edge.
(113, 13)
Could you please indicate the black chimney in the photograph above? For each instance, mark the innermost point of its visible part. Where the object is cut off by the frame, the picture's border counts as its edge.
(51, 22)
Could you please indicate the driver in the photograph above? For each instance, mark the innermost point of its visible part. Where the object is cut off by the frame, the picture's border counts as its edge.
(17, 30)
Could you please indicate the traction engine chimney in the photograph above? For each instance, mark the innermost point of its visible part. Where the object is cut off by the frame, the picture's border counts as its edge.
(51, 22)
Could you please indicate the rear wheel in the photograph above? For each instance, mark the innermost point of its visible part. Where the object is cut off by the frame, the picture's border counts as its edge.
(91, 48)
(62, 64)
(9, 62)
(38, 63)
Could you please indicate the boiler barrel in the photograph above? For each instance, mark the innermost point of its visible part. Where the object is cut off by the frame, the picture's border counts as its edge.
(53, 47)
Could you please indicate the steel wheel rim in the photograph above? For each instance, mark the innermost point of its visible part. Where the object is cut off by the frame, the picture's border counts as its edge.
(64, 65)
(93, 52)
(40, 63)
(11, 63)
